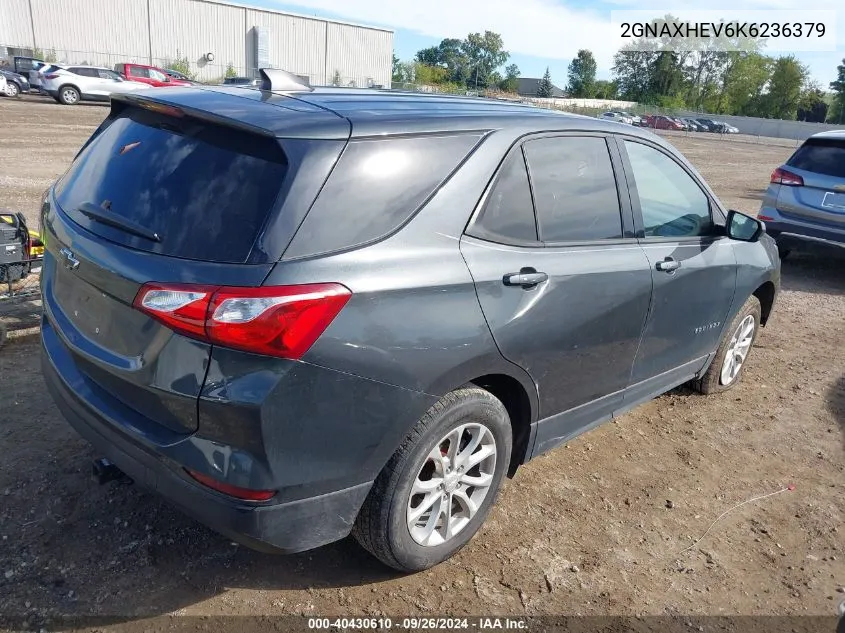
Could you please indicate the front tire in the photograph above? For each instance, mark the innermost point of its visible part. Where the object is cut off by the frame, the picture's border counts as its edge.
(12, 89)
(726, 369)
(439, 486)
(68, 95)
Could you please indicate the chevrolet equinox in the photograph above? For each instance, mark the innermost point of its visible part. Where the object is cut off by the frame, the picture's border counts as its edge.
(301, 313)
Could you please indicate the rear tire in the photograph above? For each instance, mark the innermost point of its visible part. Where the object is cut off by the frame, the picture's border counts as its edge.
(68, 95)
(12, 89)
(736, 344)
(432, 496)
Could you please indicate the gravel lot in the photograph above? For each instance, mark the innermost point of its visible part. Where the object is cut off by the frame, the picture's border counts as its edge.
(592, 528)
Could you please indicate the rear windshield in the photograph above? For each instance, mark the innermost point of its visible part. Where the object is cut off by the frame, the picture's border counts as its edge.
(205, 190)
(821, 156)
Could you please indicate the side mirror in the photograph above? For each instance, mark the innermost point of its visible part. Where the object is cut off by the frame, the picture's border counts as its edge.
(743, 227)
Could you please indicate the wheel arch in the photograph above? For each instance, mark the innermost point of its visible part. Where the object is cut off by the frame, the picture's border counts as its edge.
(521, 411)
(765, 294)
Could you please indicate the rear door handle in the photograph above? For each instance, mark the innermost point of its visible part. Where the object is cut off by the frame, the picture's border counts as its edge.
(668, 265)
(525, 278)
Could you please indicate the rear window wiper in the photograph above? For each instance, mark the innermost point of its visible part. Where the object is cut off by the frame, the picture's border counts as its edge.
(104, 216)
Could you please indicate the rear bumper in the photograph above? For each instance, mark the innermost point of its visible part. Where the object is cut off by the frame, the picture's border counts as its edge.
(785, 229)
(286, 528)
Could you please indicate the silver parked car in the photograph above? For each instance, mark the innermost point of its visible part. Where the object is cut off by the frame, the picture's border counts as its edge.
(805, 200)
(616, 116)
(73, 84)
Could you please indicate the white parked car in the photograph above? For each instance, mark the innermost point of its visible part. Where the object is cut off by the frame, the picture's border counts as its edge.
(73, 84)
(617, 116)
(635, 119)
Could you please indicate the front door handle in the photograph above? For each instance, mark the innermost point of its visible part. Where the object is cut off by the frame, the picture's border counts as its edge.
(668, 265)
(527, 278)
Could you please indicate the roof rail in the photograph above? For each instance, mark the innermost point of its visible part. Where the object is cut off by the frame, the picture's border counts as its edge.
(282, 80)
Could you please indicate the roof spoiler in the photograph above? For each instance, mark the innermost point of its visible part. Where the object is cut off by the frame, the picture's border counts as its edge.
(283, 81)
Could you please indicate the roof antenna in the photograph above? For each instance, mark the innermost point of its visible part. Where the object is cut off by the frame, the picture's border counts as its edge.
(283, 81)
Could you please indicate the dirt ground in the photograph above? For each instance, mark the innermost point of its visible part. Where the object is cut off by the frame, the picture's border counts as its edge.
(595, 527)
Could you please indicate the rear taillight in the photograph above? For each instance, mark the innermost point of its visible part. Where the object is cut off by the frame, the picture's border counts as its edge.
(246, 494)
(781, 176)
(50, 76)
(281, 321)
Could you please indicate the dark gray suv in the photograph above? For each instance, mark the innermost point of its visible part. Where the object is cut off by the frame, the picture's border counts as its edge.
(303, 314)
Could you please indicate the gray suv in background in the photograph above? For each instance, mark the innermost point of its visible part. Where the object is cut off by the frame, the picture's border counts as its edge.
(805, 201)
(301, 314)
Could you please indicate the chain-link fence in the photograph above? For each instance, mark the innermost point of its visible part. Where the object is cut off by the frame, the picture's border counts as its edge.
(201, 70)
(752, 129)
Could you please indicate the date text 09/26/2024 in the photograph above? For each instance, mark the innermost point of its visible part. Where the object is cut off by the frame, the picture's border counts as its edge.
(418, 624)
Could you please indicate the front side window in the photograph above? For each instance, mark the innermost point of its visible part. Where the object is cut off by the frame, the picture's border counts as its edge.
(574, 189)
(672, 203)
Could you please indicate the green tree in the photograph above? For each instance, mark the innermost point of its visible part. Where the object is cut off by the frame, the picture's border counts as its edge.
(544, 89)
(666, 76)
(632, 73)
(430, 75)
(510, 83)
(812, 106)
(785, 85)
(397, 69)
(180, 64)
(230, 71)
(449, 55)
(837, 111)
(582, 75)
(744, 82)
(484, 54)
(604, 89)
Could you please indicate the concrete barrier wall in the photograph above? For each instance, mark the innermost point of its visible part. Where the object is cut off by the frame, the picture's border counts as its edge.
(773, 128)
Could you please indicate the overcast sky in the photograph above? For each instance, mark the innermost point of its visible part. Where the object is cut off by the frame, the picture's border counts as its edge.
(540, 33)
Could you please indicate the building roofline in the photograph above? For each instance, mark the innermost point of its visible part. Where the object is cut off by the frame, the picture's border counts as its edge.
(252, 7)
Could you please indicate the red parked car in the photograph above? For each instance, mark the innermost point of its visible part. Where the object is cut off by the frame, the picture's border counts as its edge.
(665, 123)
(148, 75)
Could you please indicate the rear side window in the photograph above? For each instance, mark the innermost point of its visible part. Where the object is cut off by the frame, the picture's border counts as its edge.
(508, 214)
(138, 71)
(376, 186)
(84, 72)
(821, 156)
(205, 190)
(574, 189)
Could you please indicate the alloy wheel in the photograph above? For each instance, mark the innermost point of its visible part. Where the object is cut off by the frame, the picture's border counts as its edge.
(452, 484)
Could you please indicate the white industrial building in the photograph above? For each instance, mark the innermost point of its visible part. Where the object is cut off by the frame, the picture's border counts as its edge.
(213, 36)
